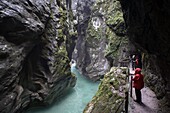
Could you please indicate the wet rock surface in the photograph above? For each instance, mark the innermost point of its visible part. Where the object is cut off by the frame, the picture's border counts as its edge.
(34, 62)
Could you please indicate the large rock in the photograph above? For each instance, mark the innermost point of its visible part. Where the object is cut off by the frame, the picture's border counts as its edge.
(112, 93)
(148, 28)
(34, 62)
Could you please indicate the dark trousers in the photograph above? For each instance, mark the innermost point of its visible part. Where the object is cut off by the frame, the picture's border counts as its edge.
(138, 95)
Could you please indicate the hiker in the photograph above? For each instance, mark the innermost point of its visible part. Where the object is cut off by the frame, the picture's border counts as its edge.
(136, 62)
(138, 84)
(133, 62)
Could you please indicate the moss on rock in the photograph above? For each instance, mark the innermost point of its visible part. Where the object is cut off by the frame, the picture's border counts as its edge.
(112, 15)
(110, 96)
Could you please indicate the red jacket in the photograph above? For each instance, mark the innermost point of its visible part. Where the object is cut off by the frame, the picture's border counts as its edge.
(138, 79)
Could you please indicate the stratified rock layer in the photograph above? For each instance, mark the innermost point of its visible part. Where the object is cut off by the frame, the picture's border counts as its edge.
(34, 62)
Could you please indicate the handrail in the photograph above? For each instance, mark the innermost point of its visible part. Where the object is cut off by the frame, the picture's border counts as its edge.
(130, 85)
(127, 92)
(130, 88)
(126, 63)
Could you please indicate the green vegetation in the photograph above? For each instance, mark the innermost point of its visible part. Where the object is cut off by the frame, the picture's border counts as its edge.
(111, 93)
(64, 40)
(112, 27)
(110, 96)
(93, 36)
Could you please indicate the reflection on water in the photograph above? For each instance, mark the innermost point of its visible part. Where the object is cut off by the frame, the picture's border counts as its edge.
(73, 100)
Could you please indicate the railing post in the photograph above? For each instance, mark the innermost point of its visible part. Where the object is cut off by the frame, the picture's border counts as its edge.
(126, 101)
(127, 92)
(130, 85)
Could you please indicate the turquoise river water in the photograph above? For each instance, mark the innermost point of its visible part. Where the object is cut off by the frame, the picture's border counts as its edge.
(73, 100)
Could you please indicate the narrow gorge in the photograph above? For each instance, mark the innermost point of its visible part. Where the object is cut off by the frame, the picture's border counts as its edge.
(39, 39)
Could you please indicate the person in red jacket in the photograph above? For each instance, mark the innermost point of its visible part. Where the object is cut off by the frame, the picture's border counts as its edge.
(138, 84)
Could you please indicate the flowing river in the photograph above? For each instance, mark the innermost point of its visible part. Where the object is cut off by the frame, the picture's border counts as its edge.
(73, 100)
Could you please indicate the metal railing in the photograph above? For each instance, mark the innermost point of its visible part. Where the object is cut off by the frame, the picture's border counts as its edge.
(123, 63)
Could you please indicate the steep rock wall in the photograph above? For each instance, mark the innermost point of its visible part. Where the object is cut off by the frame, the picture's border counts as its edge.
(148, 28)
(101, 37)
(34, 62)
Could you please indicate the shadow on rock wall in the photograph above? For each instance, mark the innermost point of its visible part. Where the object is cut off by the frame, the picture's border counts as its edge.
(34, 66)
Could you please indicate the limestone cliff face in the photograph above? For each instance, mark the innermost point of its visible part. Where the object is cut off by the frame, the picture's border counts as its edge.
(101, 37)
(148, 28)
(34, 62)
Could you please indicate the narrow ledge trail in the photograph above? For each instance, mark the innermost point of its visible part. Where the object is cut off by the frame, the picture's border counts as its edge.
(149, 101)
